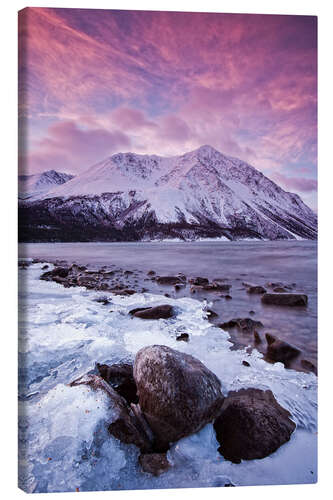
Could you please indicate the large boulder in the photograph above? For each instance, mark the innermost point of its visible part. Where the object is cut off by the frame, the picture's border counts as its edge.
(126, 423)
(178, 395)
(252, 425)
(285, 299)
(279, 350)
(163, 311)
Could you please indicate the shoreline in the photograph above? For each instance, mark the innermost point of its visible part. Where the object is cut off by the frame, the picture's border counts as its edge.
(111, 279)
(70, 330)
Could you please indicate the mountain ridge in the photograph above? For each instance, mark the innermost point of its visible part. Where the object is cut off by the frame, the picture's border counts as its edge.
(202, 193)
(35, 185)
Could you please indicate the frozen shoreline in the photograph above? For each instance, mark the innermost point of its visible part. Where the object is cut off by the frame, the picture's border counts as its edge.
(64, 332)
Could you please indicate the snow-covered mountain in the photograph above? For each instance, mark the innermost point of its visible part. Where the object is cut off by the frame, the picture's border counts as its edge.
(199, 194)
(35, 185)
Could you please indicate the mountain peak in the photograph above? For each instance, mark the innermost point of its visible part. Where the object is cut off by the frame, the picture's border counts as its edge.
(202, 189)
(206, 149)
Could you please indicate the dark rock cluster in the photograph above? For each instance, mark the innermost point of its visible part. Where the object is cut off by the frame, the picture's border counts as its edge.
(167, 395)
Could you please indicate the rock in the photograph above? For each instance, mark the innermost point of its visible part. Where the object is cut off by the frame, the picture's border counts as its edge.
(154, 463)
(221, 287)
(198, 281)
(168, 280)
(279, 289)
(178, 395)
(125, 424)
(252, 425)
(228, 297)
(24, 264)
(57, 272)
(272, 284)
(212, 287)
(182, 277)
(183, 337)
(245, 363)
(120, 376)
(123, 291)
(211, 314)
(251, 312)
(257, 338)
(163, 311)
(278, 350)
(46, 266)
(102, 300)
(285, 299)
(151, 273)
(309, 366)
(179, 287)
(256, 289)
(246, 325)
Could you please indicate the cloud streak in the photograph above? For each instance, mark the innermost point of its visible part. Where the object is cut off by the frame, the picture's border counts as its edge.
(93, 82)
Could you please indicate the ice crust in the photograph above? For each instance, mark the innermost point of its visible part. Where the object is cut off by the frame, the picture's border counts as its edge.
(63, 440)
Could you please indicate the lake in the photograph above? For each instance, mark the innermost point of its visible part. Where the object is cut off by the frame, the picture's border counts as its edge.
(256, 262)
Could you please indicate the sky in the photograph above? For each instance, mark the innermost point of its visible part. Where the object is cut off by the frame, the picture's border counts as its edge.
(96, 82)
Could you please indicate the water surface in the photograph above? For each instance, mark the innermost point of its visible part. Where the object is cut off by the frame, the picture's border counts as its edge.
(257, 262)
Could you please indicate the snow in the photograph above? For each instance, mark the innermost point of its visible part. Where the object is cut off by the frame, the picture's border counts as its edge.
(36, 185)
(64, 444)
(202, 185)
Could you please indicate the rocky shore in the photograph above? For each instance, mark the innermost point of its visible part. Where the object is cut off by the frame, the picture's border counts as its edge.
(125, 282)
(162, 395)
(176, 396)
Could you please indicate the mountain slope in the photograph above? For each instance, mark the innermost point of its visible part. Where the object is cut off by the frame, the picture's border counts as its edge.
(36, 185)
(199, 194)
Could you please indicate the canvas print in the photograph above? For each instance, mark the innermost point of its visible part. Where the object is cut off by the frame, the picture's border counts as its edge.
(167, 250)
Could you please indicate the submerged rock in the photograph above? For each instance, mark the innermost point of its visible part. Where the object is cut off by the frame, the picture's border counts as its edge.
(252, 425)
(285, 299)
(246, 325)
(211, 287)
(169, 280)
(178, 395)
(256, 289)
(154, 463)
(198, 281)
(279, 350)
(163, 311)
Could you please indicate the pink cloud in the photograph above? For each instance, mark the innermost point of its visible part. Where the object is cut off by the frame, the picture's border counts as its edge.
(129, 118)
(296, 183)
(66, 147)
(165, 83)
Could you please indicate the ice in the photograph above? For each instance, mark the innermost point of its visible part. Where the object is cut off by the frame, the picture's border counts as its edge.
(64, 443)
